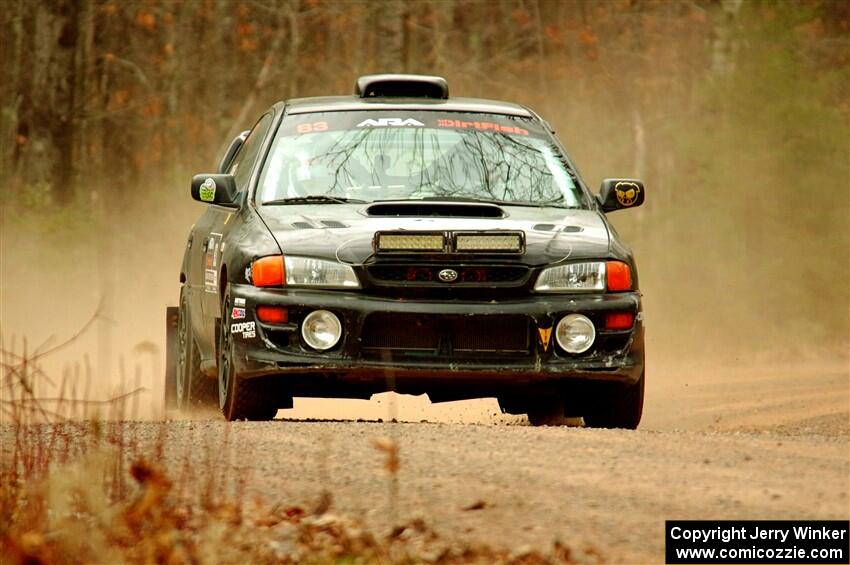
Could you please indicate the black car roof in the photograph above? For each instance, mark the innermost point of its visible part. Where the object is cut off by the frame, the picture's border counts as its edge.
(353, 103)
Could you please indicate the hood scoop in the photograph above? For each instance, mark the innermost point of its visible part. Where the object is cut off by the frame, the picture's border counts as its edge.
(553, 227)
(435, 210)
(301, 225)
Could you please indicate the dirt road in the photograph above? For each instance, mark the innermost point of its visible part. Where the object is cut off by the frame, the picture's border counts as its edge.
(611, 490)
(720, 452)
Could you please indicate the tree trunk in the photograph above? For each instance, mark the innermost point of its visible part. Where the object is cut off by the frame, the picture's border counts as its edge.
(64, 78)
(84, 96)
(390, 45)
(10, 91)
(724, 45)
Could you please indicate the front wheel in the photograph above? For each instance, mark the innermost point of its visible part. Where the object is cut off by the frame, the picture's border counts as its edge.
(239, 399)
(547, 411)
(615, 405)
(552, 409)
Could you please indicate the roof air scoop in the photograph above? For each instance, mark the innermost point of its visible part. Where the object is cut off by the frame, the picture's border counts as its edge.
(401, 86)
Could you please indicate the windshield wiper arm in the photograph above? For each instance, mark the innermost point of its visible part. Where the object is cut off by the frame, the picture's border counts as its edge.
(315, 199)
(546, 204)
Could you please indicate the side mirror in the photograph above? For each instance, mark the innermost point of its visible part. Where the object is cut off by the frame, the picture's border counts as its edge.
(616, 194)
(215, 189)
(232, 150)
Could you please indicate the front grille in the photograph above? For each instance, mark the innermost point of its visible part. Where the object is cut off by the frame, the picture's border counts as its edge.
(419, 274)
(388, 331)
(447, 335)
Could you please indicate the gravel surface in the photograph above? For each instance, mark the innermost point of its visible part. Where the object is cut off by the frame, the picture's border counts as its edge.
(608, 490)
(742, 444)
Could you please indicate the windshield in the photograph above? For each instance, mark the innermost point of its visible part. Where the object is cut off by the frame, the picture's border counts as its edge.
(373, 155)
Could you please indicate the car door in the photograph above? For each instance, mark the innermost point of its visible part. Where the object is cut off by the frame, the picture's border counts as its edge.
(219, 224)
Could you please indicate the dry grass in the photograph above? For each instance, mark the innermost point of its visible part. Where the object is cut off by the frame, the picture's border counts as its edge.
(78, 488)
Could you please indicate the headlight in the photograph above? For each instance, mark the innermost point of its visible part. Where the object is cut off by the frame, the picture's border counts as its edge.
(321, 329)
(575, 333)
(304, 271)
(575, 277)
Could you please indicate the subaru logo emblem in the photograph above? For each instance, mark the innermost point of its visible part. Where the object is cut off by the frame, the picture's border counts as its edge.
(447, 275)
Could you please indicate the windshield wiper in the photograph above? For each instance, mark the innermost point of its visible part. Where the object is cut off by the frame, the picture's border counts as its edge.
(546, 204)
(315, 199)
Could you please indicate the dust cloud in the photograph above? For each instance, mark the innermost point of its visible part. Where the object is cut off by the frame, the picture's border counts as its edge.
(111, 279)
(126, 273)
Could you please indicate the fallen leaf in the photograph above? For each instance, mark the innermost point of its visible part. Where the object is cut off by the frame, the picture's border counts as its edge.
(477, 505)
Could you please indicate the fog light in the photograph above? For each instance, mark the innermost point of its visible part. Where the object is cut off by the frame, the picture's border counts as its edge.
(321, 329)
(575, 333)
(619, 321)
(273, 314)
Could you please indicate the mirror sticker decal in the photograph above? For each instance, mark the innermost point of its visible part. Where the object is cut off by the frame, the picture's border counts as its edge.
(207, 190)
(627, 193)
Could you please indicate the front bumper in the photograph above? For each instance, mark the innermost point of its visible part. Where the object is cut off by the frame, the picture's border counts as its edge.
(279, 349)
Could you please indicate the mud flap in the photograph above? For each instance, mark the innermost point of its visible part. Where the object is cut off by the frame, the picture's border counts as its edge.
(171, 353)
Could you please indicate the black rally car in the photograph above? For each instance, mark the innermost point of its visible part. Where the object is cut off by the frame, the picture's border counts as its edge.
(400, 239)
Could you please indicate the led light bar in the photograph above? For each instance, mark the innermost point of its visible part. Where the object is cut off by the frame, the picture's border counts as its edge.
(508, 242)
(411, 242)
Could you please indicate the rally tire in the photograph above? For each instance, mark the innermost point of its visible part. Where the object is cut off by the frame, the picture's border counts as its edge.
(193, 389)
(513, 405)
(547, 411)
(616, 405)
(240, 399)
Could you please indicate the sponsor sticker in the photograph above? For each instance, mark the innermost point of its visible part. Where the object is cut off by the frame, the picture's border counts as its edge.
(545, 337)
(481, 126)
(311, 127)
(237, 313)
(207, 190)
(247, 329)
(353, 121)
(211, 260)
(239, 301)
(390, 122)
(210, 284)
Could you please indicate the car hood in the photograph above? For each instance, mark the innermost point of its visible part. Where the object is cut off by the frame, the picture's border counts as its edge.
(345, 232)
